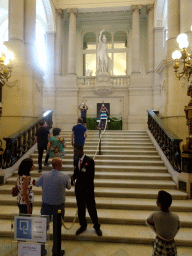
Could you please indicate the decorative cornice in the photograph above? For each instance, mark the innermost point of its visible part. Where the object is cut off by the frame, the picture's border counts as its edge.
(136, 7)
(163, 64)
(72, 11)
(150, 7)
(59, 12)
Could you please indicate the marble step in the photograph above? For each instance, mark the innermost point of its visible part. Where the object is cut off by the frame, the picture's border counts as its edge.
(111, 232)
(110, 189)
(113, 157)
(107, 152)
(110, 132)
(119, 143)
(126, 217)
(118, 162)
(112, 147)
(113, 140)
(133, 199)
(122, 183)
(114, 175)
(110, 137)
(111, 168)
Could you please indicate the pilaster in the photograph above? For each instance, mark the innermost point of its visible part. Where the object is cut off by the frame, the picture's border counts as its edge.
(135, 39)
(72, 42)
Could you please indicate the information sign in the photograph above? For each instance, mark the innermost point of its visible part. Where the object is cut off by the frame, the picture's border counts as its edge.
(30, 228)
(28, 249)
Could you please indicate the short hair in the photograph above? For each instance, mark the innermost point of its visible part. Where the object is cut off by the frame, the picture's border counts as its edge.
(56, 131)
(80, 120)
(25, 167)
(41, 123)
(56, 161)
(165, 199)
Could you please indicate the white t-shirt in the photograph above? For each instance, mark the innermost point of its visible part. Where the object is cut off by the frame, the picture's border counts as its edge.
(166, 224)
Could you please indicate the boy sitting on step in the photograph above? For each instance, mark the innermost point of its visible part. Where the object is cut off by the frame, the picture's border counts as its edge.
(165, 224)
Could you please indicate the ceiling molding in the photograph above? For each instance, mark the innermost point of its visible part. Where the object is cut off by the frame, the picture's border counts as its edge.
(97, 5)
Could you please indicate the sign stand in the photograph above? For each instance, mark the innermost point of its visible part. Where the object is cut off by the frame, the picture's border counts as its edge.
(30, 233)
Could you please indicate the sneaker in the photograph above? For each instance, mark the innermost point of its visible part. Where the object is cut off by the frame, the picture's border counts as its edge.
(46, 164)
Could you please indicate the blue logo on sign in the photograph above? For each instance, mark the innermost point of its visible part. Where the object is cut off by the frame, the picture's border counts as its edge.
(24, 229)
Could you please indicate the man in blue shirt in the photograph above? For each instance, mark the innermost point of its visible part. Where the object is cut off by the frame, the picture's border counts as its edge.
(83, 108)
(79, 134)
(53, 186)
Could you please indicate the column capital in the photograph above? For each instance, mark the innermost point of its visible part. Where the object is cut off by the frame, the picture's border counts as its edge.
(72, 11)
(136, 7)
(59, 12)
(150, 7)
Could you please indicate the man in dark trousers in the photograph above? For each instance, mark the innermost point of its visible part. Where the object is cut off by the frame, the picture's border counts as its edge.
(83, 108)
(79, 134)
(84, 173)
(42, 137)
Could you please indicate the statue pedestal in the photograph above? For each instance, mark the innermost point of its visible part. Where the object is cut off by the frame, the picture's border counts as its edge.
(103, 86)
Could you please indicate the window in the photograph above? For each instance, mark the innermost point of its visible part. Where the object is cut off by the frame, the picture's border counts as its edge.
(40, 31)
(3, 25)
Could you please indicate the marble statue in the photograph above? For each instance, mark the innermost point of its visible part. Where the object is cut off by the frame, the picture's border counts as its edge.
(102, 56)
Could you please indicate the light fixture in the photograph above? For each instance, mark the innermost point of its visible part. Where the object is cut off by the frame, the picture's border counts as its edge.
(185, 57)
(6, 65)
(187, 71)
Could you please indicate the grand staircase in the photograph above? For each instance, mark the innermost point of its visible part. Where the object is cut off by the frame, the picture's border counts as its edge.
(128, 176)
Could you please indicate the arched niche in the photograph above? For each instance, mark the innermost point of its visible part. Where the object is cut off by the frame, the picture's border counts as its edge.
(120, 39)
(89, 41)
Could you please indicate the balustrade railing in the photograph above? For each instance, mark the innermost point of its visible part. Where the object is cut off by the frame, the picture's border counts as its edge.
(20, 142)
(86, 80)
(120, 80)
(167, 140)
(91, 80)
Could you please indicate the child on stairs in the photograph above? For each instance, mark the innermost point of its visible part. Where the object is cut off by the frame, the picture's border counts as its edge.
(165, 224)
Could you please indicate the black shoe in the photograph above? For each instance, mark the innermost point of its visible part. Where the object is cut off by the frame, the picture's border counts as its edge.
(98, 231)
(44, 252)
(46, 164)
(40, 170)
(80, 230)
(62, 253)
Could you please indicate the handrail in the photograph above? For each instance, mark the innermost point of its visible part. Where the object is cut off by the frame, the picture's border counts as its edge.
(167, 140)
(20, 142)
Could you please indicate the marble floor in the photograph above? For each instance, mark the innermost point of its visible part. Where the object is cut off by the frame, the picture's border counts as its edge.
(84, 248)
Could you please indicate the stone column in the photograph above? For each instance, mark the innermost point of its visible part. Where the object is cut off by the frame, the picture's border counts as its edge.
(19, 107)
(150, 11)
(50, 46)
(172, 104)
(59, 14)
(173, 25)
(135, 39)
(16, 20)
(72, 42)
(185, 16)
(30, 31)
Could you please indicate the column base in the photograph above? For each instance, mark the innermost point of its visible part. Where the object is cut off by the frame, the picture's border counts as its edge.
(185, 183)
